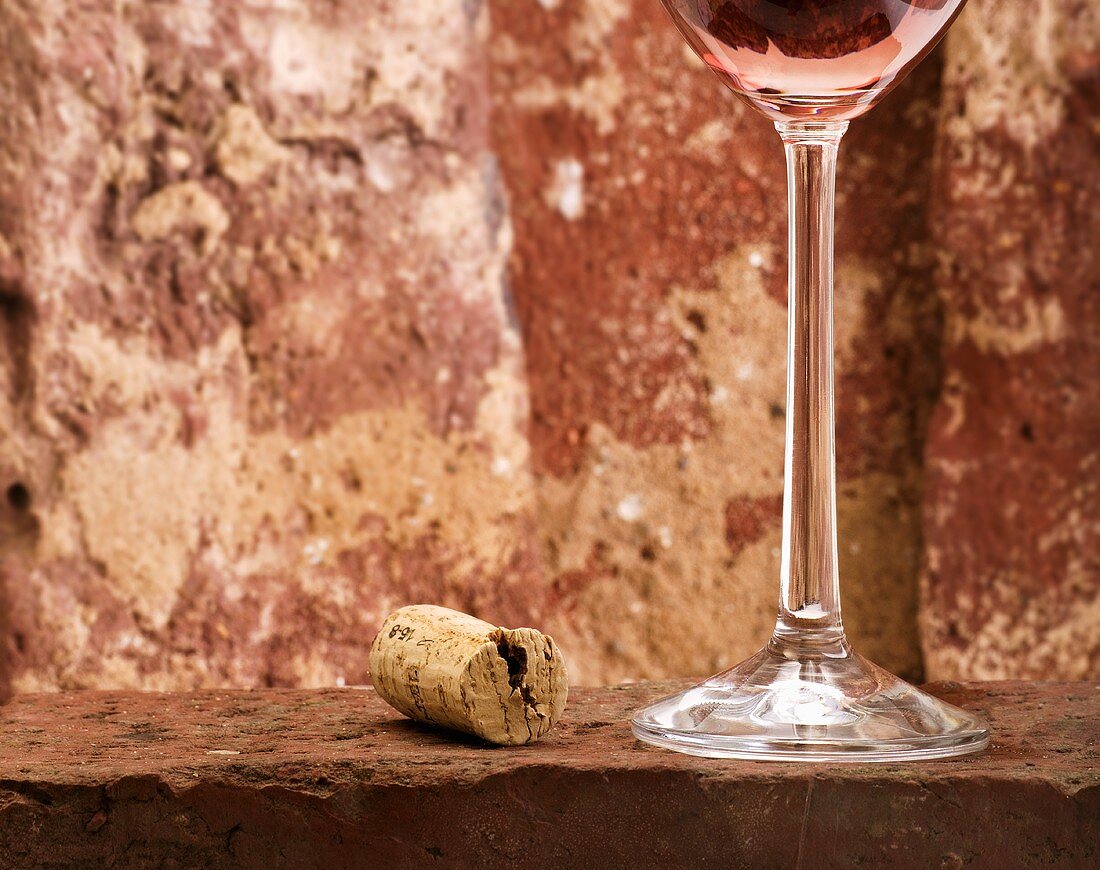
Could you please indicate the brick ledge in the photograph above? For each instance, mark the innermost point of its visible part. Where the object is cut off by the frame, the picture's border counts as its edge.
(335, 778)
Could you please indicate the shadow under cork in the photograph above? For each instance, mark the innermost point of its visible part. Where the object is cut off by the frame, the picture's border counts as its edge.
(412, 730)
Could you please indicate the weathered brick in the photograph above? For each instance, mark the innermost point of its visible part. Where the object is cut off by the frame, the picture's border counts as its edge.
(1012, 581)
(259, 383)
(335, 778)
(649, 270)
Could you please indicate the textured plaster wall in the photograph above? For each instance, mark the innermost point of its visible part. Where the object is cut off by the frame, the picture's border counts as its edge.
(311, 309)
(649, 270)
(260, 383)
(1011, 584)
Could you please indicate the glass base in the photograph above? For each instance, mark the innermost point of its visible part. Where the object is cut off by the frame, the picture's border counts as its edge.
(809, 706)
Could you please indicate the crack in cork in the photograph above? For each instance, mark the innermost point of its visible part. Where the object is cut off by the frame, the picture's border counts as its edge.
(515, 658)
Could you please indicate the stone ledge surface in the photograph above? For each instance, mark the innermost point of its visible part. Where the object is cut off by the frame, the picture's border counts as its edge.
(334, 778)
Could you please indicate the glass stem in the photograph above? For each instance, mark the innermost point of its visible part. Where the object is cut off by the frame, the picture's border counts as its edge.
(809, 605)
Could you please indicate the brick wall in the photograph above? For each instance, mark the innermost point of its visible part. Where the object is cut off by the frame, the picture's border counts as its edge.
(1011, 583)
(313, 309)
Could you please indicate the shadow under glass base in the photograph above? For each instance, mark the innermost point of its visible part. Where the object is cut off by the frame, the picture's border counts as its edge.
(812, 707)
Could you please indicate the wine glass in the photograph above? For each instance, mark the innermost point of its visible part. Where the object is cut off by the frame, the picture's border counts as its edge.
(810, 66)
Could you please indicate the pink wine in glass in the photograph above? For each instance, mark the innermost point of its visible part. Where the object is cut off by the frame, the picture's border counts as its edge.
(823, 59)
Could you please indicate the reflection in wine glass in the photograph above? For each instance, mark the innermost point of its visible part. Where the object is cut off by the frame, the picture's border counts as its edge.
(810, 66)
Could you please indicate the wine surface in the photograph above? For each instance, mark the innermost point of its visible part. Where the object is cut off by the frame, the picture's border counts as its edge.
(824, 59)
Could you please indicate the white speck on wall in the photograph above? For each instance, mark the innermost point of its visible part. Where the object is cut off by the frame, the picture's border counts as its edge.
(630, 508)
(501, 465)
(549, 5)
(380, 177)
(315, 551)
(664, 535)
(193, 25)
(340, 683)
(756, 259)
(308, 60)
(719, 395)
(745, 371)
(636, 607)
(566, 192)
(179, 159)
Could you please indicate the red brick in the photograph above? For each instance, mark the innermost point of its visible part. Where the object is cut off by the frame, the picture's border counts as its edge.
(654, 325)
(258, 381)
(337, 779)
(1012, 583)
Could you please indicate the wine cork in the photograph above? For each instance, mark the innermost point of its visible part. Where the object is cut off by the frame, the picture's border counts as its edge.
(437, 665)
